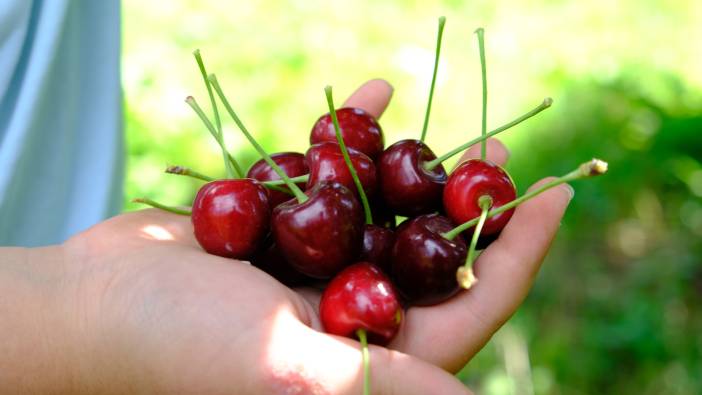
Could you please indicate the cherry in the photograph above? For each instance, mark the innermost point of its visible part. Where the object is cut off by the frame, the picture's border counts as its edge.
(471, 180)
(320, 232)
(326, 163)
(271, 260)
(292, 163)
(322, 235)
(361, 297)
(382, 215)
(407, 187)
(359, 129)
(424, 262)
(377, 246)
(231, 217)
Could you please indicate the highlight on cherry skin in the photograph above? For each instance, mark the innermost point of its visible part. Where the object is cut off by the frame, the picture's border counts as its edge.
(471, 180)
(361, 297)
(231, 217)
(360, 131)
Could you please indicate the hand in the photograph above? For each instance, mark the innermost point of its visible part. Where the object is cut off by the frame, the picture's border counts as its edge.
(150, 312)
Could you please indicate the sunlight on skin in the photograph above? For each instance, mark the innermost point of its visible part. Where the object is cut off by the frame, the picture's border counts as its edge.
(157, 232)
(295, 366)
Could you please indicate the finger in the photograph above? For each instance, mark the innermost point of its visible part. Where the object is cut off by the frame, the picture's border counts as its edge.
(495, 151)
(505, 273)
(333, 365)
(373, 97)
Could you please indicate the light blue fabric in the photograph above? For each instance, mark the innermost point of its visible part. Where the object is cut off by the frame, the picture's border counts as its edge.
(61, 142)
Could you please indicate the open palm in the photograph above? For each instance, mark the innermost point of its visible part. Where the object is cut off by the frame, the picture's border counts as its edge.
(161, 316)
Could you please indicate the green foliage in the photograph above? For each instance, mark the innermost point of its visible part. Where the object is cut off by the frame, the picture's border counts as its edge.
(615, 308)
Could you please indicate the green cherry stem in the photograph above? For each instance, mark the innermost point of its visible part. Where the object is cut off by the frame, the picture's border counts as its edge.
(272, 184)
(544, 105)
(483, 69)
(592, 168)
(347, 158)
(297, 192)
(296, 180)
(231, 165)
(170, 209)
(361, 333)
(220, 141)
(442, 22)
(185, 171)
(464, 275)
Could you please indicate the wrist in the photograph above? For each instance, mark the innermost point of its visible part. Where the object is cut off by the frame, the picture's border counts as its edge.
(36, 335)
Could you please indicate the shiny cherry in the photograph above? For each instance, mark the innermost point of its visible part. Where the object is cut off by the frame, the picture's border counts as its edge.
(231, 217)
(377, 246)
(361, 297)
(407, 187)
(322, 235)
(358, 128)
(382, 215)
(326, 163)
(471, 180)
(424, 263)
(292, 163)
(271, 260)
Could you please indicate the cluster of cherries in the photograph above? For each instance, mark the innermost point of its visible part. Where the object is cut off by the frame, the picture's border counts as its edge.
(330, 214)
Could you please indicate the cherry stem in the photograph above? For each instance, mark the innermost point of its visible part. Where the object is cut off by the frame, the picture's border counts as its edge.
(220, 141)
(230, 164)
(464, 275)
(347, 158)
(544, 105)
(298, 179)
(361, 333)
(483, 68)
(276, 184)
(592, 168)
(185, 171)
(442, 22)
(155, 204)
(297, 192)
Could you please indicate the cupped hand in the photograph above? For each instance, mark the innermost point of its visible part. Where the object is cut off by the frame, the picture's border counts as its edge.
(153, 313)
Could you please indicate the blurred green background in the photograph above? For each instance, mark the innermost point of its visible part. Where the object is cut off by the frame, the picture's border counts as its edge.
(616, 308)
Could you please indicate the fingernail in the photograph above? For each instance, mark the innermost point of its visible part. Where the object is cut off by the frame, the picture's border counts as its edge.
(570, 190)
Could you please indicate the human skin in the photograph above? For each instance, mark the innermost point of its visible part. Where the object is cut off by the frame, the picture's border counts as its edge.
(133, 305)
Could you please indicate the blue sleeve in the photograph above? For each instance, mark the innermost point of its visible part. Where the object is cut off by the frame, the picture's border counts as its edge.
(61, 142)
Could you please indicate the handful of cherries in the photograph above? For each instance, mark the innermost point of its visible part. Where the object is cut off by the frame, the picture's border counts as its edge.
(330, 214)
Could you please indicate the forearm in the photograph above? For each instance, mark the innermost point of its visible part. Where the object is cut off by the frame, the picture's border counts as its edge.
(34, 344)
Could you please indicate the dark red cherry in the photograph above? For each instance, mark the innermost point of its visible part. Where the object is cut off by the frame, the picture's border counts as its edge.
(292, 163)
(326, 163)
(231, 217)
(424, 263)
(382, 215)
(271, 260)
(361, 297)
(322, 235)
(359, 130)
(406, 186)
(471, 180)
(377, 246)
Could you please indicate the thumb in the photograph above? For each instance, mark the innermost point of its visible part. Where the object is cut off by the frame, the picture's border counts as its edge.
(315, 362)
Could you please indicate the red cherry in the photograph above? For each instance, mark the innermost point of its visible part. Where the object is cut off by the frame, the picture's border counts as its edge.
(424, 263)
(359, 130)
(292, 163)
(231, 217)
(326, 163)
(408, 188)
(361, 297)
(377, 246)
(271, 260)
(322, 235)
(471, 180)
